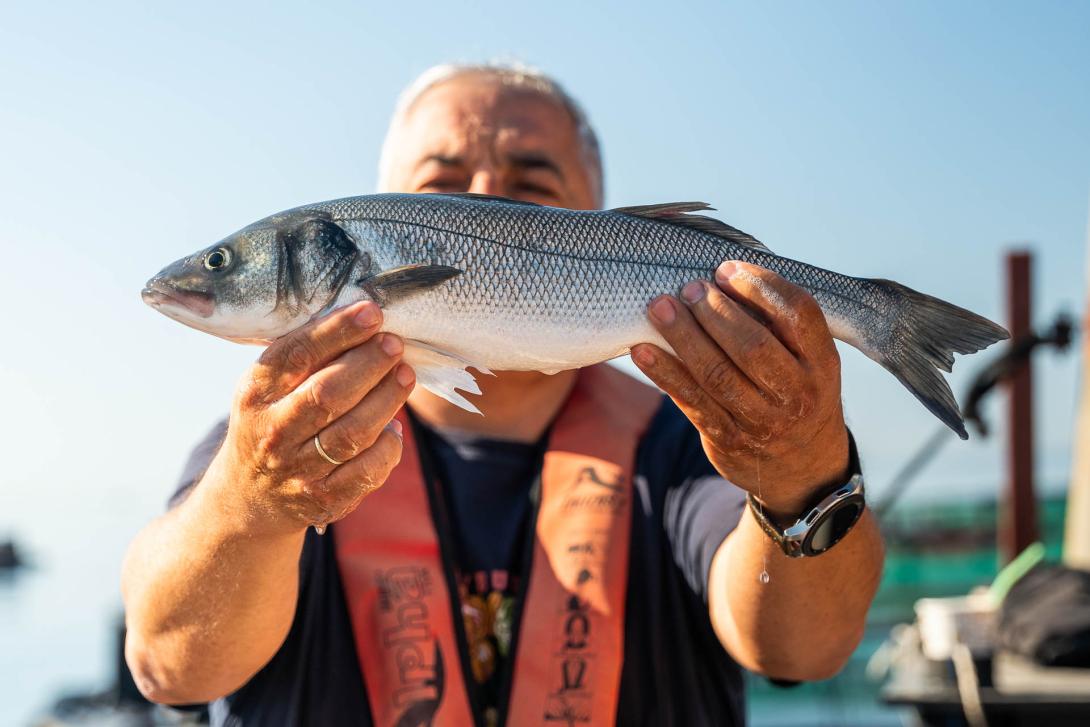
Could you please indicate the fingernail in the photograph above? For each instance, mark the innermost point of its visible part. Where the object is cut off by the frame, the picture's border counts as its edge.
(396, 424)
(369, 316)
(693, 292)
(405, 375)
(663, 311)
(643, 355)
(725, 270)
(392, 345)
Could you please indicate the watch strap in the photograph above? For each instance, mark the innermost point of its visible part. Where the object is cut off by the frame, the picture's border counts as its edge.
(793, 546)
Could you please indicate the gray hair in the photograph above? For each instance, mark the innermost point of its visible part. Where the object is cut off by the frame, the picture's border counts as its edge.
(509, 75)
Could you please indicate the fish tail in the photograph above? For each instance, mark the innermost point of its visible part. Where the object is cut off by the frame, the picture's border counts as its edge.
(925, 334)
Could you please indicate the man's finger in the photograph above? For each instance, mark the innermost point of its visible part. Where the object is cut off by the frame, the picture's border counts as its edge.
(792, 312)
(707, 364)
(337, 388)
(749, 343)
(358, 429)
(359, 477)
(291, 359)
(674, 378)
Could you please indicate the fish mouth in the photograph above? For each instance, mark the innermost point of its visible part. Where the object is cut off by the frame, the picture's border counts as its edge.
(160, 295)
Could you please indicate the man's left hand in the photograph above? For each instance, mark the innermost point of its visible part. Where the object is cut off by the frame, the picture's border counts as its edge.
(758, 375)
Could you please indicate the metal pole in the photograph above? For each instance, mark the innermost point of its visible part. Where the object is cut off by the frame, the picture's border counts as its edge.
(1018, 511)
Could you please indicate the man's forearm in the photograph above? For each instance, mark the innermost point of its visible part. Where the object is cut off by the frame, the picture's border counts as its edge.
(804, 623)
(210, 588)
(207, 603)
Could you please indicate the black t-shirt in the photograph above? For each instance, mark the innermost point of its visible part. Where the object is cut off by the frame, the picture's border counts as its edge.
(675, 671)
(489, 508)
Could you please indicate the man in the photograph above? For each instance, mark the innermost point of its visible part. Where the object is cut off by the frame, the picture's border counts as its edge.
(231, 598)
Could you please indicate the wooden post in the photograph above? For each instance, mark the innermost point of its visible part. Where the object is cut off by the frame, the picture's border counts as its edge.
(1076, 552)
(1018, 527)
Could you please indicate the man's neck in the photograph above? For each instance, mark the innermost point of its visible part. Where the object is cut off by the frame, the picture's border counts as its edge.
(517, 405)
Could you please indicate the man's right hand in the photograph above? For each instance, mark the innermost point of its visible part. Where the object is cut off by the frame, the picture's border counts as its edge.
(336, 378)
(240, 531)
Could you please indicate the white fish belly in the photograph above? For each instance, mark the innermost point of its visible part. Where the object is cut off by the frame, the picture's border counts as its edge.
(503, 342)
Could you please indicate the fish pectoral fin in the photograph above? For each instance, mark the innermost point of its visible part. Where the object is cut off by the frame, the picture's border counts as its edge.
(443, 373)
(399, 283)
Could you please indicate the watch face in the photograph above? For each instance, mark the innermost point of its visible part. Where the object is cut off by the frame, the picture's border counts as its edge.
(835, 524)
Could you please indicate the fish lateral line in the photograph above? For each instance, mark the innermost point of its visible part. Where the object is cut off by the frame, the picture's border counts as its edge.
(539, 250)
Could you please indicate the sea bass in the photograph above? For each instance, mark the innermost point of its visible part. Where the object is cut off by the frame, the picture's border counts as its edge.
(473, 281)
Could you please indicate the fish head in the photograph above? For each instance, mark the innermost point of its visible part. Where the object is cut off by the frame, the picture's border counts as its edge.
(261, 282)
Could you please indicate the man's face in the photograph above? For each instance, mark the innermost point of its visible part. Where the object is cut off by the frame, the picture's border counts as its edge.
(471, 134)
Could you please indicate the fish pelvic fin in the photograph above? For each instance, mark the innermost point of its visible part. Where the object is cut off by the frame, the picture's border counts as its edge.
(927, 332)
(680, 213)
(443, 373)
(396, 284)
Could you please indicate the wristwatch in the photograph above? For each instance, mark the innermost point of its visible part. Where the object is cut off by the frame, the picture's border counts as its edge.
(826, 523)
(820, 528)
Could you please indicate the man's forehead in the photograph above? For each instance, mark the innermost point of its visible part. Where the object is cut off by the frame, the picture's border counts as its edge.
(463, 112)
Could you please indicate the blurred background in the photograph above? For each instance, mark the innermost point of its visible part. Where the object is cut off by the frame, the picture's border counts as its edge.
(915, 141)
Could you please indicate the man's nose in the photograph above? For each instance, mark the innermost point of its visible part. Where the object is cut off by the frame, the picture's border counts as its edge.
(487, 182)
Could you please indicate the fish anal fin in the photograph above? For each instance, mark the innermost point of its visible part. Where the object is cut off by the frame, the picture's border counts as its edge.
(680, 213)
(443, 374)
(399, 283)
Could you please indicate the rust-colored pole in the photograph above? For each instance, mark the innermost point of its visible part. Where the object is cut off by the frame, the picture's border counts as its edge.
(1018, 511)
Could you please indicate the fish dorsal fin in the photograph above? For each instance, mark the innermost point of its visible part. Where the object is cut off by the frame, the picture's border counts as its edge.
(680, 213)
(483, 197)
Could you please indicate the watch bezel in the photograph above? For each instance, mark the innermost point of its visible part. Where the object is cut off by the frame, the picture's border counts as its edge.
(800, 536)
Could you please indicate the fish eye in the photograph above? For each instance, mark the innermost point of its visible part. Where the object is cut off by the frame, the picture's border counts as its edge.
(217, 259)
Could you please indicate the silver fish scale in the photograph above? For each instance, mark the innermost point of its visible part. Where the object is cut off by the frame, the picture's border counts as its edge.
(573, 265)
(592, 236)
(573, 283)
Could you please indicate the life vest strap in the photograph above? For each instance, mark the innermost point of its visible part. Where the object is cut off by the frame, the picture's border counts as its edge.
(571, 634)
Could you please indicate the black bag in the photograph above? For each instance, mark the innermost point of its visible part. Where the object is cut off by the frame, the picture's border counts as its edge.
(1046, 617)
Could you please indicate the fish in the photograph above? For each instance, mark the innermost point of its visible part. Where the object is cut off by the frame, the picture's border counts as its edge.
(473, 281)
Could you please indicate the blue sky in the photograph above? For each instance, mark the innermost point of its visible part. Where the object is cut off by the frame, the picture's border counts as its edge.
(914, 141)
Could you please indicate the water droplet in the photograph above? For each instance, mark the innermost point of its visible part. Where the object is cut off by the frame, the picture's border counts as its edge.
(319, 528)
(764, 577)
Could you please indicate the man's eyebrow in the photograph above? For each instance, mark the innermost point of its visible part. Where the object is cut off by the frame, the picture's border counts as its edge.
(530, 160)
(443, 160)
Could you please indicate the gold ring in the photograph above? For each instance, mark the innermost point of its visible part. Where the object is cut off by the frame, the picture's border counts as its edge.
(326, 457)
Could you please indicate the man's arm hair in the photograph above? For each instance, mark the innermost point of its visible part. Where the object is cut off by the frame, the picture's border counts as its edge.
(207, 603)
(805, 622)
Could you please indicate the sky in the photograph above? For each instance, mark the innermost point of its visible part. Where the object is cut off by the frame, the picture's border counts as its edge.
(916, 141)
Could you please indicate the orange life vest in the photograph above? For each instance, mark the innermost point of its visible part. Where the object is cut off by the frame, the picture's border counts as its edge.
(402, 600)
